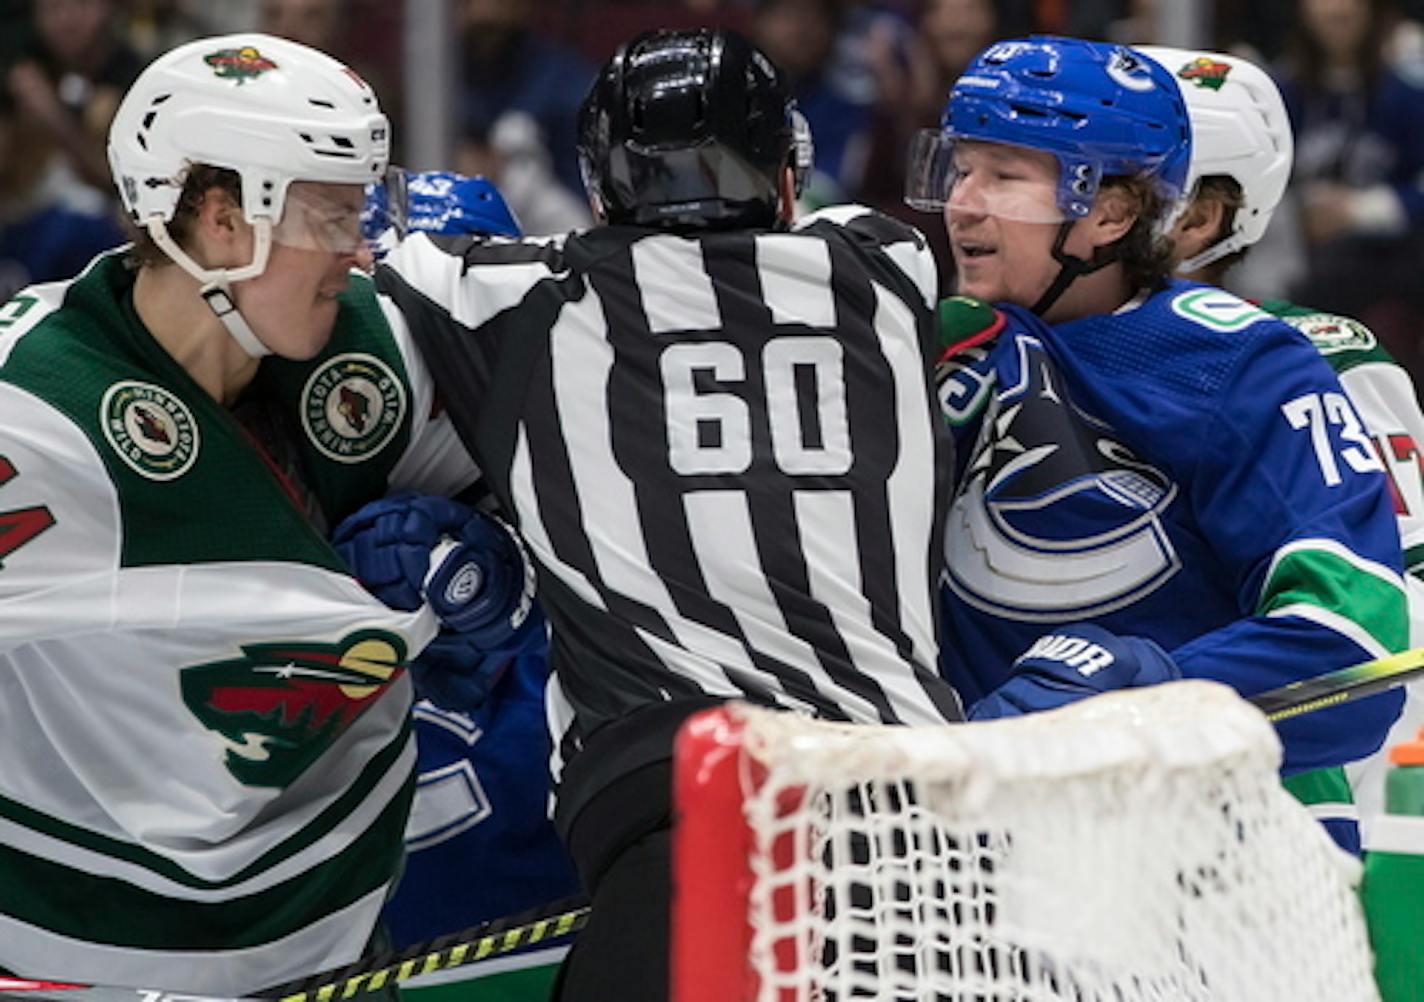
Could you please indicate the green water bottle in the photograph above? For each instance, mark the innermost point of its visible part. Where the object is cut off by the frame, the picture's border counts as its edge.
(1393, 889)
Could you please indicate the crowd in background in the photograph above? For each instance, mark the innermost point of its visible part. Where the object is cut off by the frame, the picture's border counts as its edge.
(866, 75)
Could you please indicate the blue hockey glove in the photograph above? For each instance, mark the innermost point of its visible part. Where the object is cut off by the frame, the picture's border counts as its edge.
(387, 544)
(438, 202)
(1073, 663)
(455, 205)
(408, 548)
(457, 674)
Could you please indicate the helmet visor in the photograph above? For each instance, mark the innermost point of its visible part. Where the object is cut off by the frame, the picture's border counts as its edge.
(320, 216)
(978, 178)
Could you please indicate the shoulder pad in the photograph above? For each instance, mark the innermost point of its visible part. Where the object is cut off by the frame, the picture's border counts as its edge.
(965, 322)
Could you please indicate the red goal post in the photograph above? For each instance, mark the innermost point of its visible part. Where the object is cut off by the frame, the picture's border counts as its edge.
(1136, 846)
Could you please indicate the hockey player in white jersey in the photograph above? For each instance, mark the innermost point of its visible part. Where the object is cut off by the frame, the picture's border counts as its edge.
(205, 751)
(1242, 151)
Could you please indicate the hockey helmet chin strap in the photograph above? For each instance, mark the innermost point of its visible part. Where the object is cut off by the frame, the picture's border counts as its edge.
(1070, 267)
(215, 283)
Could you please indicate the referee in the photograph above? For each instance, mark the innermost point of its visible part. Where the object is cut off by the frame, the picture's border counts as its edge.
(716, 434)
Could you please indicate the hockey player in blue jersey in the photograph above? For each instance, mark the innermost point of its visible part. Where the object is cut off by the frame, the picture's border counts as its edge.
(1156, 457)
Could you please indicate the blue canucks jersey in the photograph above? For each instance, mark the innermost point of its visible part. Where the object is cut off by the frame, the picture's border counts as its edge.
(479, 841)
(1188, 469)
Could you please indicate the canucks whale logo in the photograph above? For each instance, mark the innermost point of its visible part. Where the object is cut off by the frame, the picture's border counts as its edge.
(1057, 519)
(280, 706)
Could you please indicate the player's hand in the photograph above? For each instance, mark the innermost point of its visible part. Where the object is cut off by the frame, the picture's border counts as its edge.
(387, 544)
(456, 673)
(1072, 663)
(437, 202)
(408, 549)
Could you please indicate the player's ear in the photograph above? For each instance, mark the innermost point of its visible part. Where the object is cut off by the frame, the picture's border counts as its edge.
(1198, 226)
(223, 236)
(786, 205)
(1113, 214)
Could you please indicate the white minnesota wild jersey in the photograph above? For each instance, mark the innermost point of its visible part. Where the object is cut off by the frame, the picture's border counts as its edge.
(205, 749)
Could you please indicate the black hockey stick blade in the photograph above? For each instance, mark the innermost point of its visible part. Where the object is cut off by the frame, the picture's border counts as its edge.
(481, 942)
(1336, 687)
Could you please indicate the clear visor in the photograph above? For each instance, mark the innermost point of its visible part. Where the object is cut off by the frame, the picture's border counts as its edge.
(972, 177)
(318, 216)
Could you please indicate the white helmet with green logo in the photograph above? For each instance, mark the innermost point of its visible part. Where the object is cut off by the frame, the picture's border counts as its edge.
(1240, 130)
(269, 109)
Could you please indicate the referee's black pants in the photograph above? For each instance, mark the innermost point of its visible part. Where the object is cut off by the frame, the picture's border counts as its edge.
(621, 843)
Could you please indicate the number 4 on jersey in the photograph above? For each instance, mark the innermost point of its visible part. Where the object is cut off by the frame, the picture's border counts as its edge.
(19, 527)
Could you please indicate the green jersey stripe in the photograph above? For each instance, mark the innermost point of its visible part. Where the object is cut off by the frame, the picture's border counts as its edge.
(335, 814)
(1343, 587)
(100, 909)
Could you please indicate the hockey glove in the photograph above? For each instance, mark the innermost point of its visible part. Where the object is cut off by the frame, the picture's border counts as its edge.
(1071, 664)
(456, 205)
(436, 202)
(408, 548)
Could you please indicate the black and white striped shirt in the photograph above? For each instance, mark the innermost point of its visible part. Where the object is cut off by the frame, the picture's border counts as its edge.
(722, 450)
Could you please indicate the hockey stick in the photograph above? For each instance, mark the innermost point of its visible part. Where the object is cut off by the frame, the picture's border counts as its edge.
(1336, 687)
(480, 942)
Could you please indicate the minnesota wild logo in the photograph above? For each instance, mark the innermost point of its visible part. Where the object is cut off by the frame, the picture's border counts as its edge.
(150, 428)
(351, 406)
(1330, 333)
(1205, 72)
(280, 706)
(241, 64)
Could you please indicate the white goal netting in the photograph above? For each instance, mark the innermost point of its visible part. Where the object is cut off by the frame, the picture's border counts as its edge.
(1136, 846)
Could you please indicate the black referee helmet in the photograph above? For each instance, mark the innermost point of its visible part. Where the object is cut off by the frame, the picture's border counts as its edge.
(687, 130)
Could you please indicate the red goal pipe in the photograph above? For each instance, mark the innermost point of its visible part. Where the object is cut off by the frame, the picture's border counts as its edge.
(711, 844)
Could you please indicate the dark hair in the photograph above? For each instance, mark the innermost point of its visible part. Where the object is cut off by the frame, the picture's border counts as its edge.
(1227, 191)
(199, 179)
(1145, 254)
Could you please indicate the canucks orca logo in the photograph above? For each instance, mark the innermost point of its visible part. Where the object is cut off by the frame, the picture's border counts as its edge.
(1057, 520)
(280, 706)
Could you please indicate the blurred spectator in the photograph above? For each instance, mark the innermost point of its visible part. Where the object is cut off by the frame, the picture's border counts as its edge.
(364, 34)
(1359, 169)
(312, 22)
(514, 156)
(50, 226)
(829, 51)
(155, 26)
(949, 34)
(597, 27)
(801, 36)
(69, 85)
(508, 66)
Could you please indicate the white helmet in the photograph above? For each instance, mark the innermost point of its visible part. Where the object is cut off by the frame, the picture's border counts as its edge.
(269, 109)
(1240, 129)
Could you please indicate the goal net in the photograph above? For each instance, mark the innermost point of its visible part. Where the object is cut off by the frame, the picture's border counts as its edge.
(1134, 846)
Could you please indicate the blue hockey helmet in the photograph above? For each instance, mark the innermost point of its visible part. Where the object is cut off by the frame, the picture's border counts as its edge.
(1102, 110)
